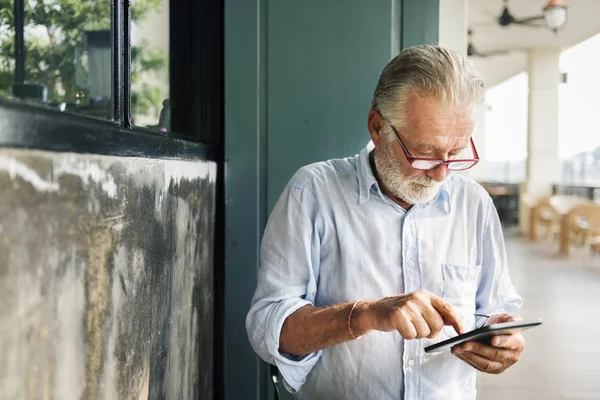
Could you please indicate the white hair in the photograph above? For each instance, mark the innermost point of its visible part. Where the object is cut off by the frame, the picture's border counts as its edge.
(423, 71)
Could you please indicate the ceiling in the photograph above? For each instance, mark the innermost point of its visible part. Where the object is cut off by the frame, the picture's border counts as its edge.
(583, 22)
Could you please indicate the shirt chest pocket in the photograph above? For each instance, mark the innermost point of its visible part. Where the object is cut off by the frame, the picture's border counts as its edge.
(460, 289)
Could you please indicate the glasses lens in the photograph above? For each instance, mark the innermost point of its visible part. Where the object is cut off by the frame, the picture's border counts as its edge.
(461, 165)
(425, 164)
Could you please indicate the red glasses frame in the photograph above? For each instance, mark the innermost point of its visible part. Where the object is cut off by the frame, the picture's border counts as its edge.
(451, 164)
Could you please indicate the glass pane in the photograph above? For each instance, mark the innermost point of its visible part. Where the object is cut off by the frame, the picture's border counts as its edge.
(459, 166)
(424, 164)
(150, 105)
(57, 53)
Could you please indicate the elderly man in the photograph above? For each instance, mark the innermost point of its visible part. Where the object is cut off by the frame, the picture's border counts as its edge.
(366, 260)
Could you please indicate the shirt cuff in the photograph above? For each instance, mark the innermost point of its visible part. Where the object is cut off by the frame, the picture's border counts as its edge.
(293, 369)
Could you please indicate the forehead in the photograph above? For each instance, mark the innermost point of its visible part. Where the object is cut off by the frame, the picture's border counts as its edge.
(440, 125)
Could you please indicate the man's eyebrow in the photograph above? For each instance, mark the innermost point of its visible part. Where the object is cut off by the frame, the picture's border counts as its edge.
(428, 146)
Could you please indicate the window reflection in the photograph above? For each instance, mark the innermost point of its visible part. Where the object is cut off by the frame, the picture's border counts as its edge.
(150, 103)
(57, 53)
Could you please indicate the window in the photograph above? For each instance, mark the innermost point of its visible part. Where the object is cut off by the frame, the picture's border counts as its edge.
(150, 104)
(122, 61)
(57, 54)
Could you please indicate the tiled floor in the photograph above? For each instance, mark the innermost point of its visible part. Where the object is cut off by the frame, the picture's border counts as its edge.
(562, 357)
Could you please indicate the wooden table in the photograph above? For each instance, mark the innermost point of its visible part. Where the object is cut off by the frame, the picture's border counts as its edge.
(564, 247)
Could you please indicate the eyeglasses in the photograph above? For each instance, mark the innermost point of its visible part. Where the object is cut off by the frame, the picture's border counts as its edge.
(427, 164)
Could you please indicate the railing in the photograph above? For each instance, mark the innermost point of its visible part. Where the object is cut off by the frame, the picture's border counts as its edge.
(590, 192)
(506, 197)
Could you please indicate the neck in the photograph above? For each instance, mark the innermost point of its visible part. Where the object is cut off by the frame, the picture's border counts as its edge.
(400, 202)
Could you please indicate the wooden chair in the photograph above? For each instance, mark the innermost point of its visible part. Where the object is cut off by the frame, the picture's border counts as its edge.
(528, 204)
(584, 225)
(546, 216)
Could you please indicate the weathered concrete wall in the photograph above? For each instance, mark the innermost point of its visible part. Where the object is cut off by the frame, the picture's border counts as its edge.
(106, 279)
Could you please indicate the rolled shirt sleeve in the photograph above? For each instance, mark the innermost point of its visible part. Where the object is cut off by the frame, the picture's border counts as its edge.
(496, 293)
(289, 262)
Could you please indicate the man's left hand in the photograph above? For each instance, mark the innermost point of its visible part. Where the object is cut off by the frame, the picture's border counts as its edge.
(497, 357)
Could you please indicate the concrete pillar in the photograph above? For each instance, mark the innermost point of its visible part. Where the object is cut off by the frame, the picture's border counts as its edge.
(453, 25)
(543, 168)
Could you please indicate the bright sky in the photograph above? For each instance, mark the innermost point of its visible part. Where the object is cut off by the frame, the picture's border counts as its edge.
(579, 106)
(579, 102)
(506, 121)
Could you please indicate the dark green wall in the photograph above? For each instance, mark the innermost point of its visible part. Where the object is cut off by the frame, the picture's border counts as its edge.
(420, 22)
(244, 187)
(324, 59)
(298, 83)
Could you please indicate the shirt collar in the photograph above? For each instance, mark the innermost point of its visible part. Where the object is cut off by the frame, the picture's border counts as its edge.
(442, 199)
(366, 180)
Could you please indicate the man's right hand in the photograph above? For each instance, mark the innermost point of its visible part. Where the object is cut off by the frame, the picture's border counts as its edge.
(415, 315)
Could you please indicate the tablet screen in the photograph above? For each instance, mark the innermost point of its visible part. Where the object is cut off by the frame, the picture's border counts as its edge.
(481, 334)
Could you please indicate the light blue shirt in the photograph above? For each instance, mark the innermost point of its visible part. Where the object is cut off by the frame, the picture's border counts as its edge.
(334, 237)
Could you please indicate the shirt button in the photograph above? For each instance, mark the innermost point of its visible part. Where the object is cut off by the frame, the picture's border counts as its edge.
(411, 362)
(411, 263)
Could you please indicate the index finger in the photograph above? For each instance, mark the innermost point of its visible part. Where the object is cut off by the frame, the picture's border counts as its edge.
(448, 314)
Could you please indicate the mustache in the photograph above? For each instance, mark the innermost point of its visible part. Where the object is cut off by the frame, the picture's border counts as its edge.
(425, 181)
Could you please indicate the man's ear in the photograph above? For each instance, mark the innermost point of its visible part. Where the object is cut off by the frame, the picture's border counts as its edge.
(375, 123)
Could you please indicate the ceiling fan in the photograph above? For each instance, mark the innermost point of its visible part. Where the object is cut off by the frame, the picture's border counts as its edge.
(472, 51)
(506, 18)
(554, 16)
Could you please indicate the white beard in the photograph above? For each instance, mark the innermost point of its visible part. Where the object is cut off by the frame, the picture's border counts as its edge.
(417, 190)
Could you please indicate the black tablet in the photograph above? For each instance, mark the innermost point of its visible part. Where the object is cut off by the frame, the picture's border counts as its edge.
(482, 334)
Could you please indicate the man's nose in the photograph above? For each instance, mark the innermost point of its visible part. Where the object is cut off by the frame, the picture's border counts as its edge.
(439, 174)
